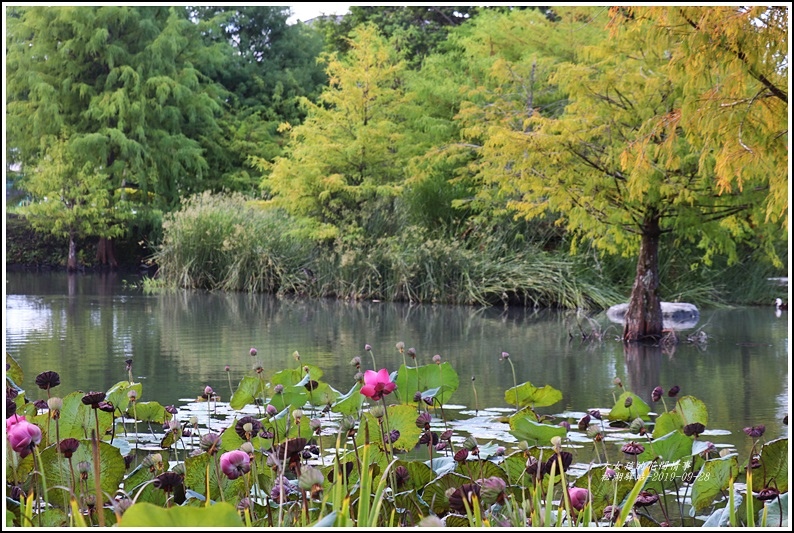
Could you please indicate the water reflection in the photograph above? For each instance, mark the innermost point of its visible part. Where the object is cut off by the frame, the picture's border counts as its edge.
(85, 327)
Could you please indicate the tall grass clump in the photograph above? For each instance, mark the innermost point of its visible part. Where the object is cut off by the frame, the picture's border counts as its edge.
(227, 242)
(418, 266)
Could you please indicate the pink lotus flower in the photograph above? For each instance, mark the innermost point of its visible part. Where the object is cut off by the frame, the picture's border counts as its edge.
(13, 420)
(377, 384)
(23, 437)
(235, 463)
(578, 497)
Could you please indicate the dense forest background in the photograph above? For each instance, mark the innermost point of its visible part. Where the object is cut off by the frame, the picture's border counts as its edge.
(554, 156)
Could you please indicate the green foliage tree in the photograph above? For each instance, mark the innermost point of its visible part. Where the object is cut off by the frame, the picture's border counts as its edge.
(74, 199)
(345, 164)
(617, 165)
(733, 64)
(494, 73)
(269, 65)
(416, 31)
(128, 84)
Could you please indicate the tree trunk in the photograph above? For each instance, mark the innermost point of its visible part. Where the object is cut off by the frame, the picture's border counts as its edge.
(104, 253)
(71, 261)
(643, 320)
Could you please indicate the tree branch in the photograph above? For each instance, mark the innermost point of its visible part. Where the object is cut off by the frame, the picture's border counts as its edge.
(774, 89)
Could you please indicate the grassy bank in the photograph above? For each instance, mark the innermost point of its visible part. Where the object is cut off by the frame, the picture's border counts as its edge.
(230, 243)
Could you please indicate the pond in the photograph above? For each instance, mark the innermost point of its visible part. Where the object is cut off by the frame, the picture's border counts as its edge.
(86, 326)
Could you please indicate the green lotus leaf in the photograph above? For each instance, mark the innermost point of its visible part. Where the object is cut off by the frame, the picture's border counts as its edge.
(322, 394)
(666, 423)
(442, 465)
(17, 468)
(435, 492)
(249, 389)
(148, 412)
(292, 397)
(776, 512)
(713, 479)
(58, 472)
(14, 372)
(142, 515)
(426, 378)
(419, 475)
(481, 469)
(515, 466)
(118, 394)
(293, 376)
(78, 420)
(400, 417)
(669, 448)
(638, 408)
(692, 411)
(350, 403)
(456, 521)
(530, 395)
(774, 466)
(524, 428)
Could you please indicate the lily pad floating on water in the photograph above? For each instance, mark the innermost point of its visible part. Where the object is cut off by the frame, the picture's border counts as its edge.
(527, 394)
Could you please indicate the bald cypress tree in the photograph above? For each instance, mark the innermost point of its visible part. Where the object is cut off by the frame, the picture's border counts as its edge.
(122, 90)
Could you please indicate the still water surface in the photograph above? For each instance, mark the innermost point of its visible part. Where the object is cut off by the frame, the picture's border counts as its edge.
(86, 326)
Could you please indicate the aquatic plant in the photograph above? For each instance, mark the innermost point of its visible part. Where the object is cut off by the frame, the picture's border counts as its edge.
(368, 462)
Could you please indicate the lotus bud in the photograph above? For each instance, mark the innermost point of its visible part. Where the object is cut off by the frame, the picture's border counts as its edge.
(656, 394)
(83, 468)
(492, 490)
(297, 414)
(347, 424)
(423, 420)
(210, 442)
(310, 476)
(470, 443)
(594, 432)
(637, 426)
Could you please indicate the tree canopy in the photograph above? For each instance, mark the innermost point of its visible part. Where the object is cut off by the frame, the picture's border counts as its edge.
(129, 84)
(344, 164)
(732, 62)
(617, 166)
